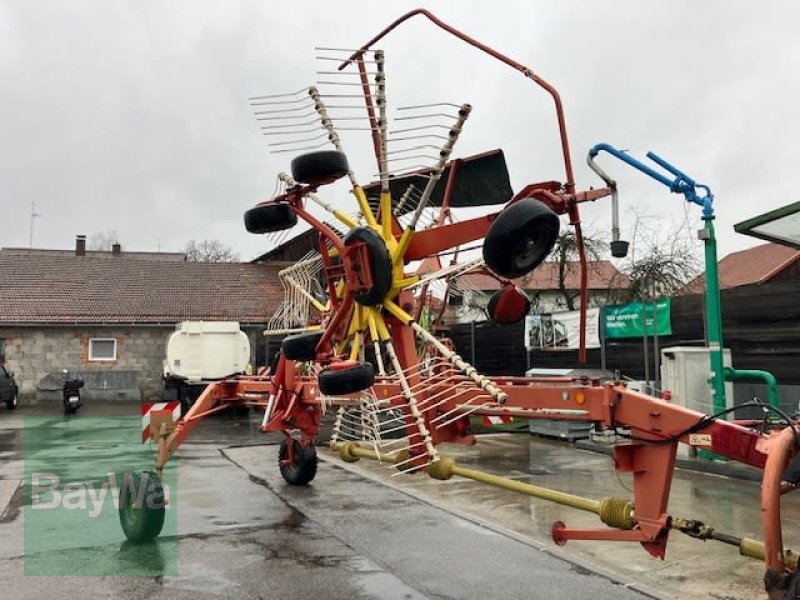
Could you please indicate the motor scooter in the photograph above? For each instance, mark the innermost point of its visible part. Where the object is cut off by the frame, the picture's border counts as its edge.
(72, 392)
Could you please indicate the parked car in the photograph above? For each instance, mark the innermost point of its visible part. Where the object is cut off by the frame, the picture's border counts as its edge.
(8, 388)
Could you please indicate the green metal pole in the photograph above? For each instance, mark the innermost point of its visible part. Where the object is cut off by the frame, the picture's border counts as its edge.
(714, 316)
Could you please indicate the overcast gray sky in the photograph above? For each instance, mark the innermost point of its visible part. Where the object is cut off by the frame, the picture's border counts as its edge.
(133, 116)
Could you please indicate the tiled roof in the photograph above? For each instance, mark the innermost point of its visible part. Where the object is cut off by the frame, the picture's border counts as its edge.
(602, 275)
(754, 265)
(52, 289)
(173, 256)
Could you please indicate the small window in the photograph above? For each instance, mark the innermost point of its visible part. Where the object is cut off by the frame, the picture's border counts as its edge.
(102, 349)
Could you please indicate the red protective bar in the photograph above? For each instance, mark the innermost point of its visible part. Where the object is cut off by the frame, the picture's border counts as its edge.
(570, 183)
(575, 220)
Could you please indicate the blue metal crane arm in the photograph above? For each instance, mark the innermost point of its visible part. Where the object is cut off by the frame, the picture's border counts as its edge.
(680, 184)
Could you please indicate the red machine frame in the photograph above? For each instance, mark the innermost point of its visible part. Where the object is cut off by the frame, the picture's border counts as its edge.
(656, 426)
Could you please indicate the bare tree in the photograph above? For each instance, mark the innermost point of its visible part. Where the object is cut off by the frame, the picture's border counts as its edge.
(565, 254)
(209, 251)
(102, 240)
(662, 260)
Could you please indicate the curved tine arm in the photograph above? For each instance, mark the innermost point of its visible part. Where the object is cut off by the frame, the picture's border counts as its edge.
(570, 183)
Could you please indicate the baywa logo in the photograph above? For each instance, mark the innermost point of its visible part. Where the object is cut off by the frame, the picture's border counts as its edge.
(132, 490)
(87, 509)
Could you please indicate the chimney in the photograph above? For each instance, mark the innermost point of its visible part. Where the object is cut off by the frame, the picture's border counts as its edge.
(80, 245)
(116, 249)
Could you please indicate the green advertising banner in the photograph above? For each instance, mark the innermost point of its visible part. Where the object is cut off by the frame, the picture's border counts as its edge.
(627, 320)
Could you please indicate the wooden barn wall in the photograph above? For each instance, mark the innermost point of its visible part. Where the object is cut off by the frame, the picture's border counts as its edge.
(761, 326)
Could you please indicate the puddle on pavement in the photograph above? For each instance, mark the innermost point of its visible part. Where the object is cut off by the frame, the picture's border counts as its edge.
(692, 569)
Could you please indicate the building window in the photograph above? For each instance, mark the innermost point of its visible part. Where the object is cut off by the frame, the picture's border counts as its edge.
(102, 349)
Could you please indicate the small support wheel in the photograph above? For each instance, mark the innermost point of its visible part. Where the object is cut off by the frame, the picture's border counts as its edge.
(266, 218)
(301, 346)
(349, 379)
(520, 238)
(142, 503)
(304, 466)
(319, 168)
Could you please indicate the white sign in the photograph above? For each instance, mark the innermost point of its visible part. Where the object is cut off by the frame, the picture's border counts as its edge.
(561, 331)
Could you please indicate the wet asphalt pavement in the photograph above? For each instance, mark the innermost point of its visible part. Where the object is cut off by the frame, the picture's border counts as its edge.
(359, 531)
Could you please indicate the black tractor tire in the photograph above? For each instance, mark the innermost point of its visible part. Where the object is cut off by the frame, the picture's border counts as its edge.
(380, 264)
(304, 467)
(340, 382)
(504, 318)
(319, 168)
(142, 522)
(12, 402)
(520, 238)
(266, 218)
(301, 346)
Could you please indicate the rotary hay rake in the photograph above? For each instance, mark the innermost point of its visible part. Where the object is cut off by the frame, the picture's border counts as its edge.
(357, 340)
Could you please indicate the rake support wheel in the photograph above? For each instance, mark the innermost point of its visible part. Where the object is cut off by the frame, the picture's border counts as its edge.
(304, 467)
(266, 218)
(301, 346)
(319, 168)
(348, 380)
(520, 238)
(141, 512)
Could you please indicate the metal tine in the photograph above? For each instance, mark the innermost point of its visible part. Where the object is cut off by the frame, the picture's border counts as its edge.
(351, 73)
(341, 96)
(443, 396)
(269, 96)
(332, 58)
(284, 125)
(412, 148)
(350, 118)
(284, 117)
(428, 116)
(339, 83)
(327, 49)
(429, 126)
(282, 111)
(278, 102)
(398, 466)
(418, 106)
(284, 132)
(408, 196)
(353, 106)
(411, 170)
(414, 198)
(299, 149)
(460, 414)
(311, 139)
(418, 137)
(419, 166)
